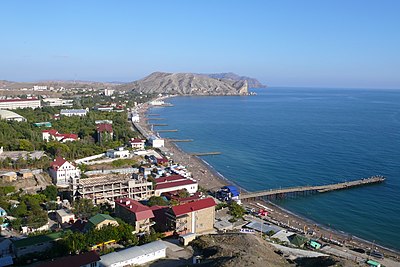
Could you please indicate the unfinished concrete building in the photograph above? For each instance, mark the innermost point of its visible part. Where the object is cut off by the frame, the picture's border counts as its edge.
(102, 189)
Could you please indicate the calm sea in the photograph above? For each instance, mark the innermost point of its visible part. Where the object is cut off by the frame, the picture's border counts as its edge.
(297, 136)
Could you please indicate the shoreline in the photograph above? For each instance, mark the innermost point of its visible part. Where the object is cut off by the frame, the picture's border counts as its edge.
(210, 179)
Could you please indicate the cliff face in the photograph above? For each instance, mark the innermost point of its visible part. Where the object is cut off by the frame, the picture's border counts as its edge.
(186, 84)
(252, 83)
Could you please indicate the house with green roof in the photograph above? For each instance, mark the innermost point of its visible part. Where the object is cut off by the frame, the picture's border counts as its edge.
(35, 244)
(100, 220)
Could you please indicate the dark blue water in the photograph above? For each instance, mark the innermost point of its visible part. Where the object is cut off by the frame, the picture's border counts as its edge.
(290, 137)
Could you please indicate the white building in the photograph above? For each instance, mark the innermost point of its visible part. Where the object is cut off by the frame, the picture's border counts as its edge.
(135, 117)
(64, 216)
(39, 87)
(10, 116)
(56, 102)
(175, 183)
(104, 108)
(157, 103)
(20, 103)
(48, 135)
(137, 255)
(61, 171)
(156, 142)
(118, 153)
(74, 112)
(137, 143)
(108, 92)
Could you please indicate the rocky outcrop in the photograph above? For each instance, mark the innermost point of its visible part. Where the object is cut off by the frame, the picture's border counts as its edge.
(186, 84)
(252, 82)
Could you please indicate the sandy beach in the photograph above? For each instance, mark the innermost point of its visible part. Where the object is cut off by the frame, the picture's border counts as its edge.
(211, 180)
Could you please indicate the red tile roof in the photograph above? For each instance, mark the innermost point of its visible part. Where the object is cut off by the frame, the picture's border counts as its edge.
(141, 211)
(18, 100)
(137, 141)
(170, 178)
(55, 133)
(175, 184)
(51, 131)
(174, 195)
(69, 136)
(193, 206)
(74, 261)
(105, 127)
(57, 163)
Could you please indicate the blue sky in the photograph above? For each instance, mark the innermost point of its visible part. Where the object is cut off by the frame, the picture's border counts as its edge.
(341, 43)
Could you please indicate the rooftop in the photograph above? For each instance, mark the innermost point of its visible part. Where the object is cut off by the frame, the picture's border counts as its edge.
(105, 127)
(103, 180)
(18, 100)
(30, 241)
(98, 218)
(74, 261)
(57, 163)
(6, 114)
(133, 252)
(193, 206)
(174, 177)
(136, 141)
(175, 184)
(73, 111)
(141, 211)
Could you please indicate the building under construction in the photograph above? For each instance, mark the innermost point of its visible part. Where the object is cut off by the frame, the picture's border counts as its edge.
(107, 188)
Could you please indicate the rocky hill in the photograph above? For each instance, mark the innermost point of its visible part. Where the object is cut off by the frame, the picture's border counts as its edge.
(252, 82)
(186, 84)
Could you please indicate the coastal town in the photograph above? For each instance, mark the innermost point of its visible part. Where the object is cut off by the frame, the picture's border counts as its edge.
(86, 179)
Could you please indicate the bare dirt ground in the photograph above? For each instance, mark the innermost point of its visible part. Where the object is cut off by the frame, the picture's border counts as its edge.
(30, 185)
(231, 250)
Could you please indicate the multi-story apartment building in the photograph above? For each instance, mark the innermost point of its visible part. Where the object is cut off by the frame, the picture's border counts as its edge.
(193, 217)
(20, 103)
(134, 213)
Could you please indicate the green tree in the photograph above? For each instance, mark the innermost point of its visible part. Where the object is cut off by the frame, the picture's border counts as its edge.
(50, 192)
(25, 145)
(74, 242)
(155, 200)
(183, 193)
(236, 210)
(16, 223)
(20, 211)
(84, 208)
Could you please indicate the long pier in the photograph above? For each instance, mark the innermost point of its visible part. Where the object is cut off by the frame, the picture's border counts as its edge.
(318, 189)
(159, 124)
(181, 140)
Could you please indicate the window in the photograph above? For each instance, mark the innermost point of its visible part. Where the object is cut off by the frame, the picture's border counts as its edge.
(93, 264)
